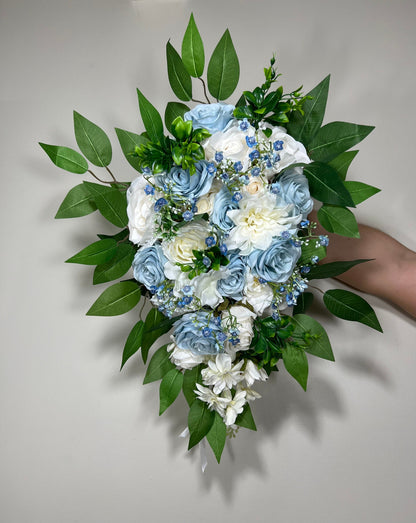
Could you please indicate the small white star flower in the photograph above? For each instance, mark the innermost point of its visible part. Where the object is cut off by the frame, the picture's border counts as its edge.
(221, 374)
(252, 373)
(235, 405)
(214, 401)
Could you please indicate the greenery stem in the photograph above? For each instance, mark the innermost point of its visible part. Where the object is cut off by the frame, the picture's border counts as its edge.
(111, 174)
(99, 179)
(205, 90)
(197, 101)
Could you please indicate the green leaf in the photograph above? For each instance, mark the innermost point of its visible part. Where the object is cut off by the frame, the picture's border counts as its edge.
(111, 203)
(159, 365)
(217, 435)
(311, 250)
(151, 119)
(190, 378)
(333, 269)
(223, 69)
(170, 388)
(296, 364)
(128, 142)
(77, 202)
(335, 138)
(339, 220)
(117, 266)
(118, 236)
(98, 252)
(150, 335)
(133, 342)
(179, 78)
(200, 421)
(360, 191)
(342, 162)
(303, 303)
(193, 50)
(92, 141)
(304, 127)
(66, 158)
(172, 111)
(325, 185)
(117, 299)
(320, 346)
(245, 419)
(349, 306)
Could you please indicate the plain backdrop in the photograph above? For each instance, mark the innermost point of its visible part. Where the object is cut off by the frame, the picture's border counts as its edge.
(82, 442)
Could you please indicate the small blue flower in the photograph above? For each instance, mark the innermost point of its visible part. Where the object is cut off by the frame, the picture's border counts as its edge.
(251, 141)
(304, 223)
(219, 156)
(224, 176)
(315, 259)
(276, 158)
(255, 171)
(211, 168)
(206, 261)
(276, 316)
(217, 320)
(237, 196)
(187, 289)
(262, 280)
(275, 188)
(238, 166)
(210, 241)
(149, 189)
(245, 179)
(194, 209)
(187, 299)
(187, 216)
(286, 235)
(221, 336)
(282, 289)
(206, 332)
(254, 155)
(278, 145)
(295, 243)
(244, 124)
(324, 241)
(147, 170)
(305, 269)
(235, 341)
(161, 202)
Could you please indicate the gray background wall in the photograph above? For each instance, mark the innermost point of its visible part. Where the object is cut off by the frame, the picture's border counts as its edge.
(81, 442)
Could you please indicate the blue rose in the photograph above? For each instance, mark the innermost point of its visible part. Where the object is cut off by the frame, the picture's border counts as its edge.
(276, 263)
(184, 185)
(212, 117)
(232, 286)
(148, 266)
(294, 188)
(223, 202)
(198, 332)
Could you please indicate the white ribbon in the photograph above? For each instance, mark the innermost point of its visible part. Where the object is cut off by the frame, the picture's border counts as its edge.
(202, 449)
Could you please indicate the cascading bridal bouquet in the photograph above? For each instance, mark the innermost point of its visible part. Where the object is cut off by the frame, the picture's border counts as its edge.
(215, 229)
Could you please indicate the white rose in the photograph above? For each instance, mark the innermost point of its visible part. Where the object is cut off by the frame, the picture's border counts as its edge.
(231, 142)
(140, 211)
(258, 295)
(206, 202)
(205, 288)
(244, 319)
(184, 359)
(255, 187)
(188, 238)
(257, 221)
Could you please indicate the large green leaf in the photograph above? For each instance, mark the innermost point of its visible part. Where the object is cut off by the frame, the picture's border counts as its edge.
(335, 138)
(92, 141)
(152, 120)
(172, 111)
(152, 330)
(325, 185)
(111, 203)
(333, 269)
(117, 299)
(245, 419)
(193, 50)
(319, 344)
(66, 158)
(360, 191)
(217, 436)
(296, 364)
(170, 388)
(200, 421)
(159, 365)
(304, 301)
(78, 202)
(190, 378)
(223, 69)
(342, 162)
(349, 306)
(98, 252)
(179, 78)
(128, 142)
(339, 220)
(117, 266)
(133, 342)
(304, 127)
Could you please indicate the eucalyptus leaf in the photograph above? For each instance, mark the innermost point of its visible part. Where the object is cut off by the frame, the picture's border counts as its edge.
(342, 162)
(333, 269)
(159, 365)
(223, 69)
(193, 50)
(98, 252)
(117, 299)
(111, 203)
(172, 111)
(217, 436)
(170, 388)
(296, 363)
(117, 266)
(303, 127)
(179, 78)
(200, 421)
(128, 142)
(92, 141)
(133, 342)
(245, 419)
(66, 158)
(339, 220)
(304, 301)
(349, 306)
(319, 345)
(360, 191)
(152, 120)
(78, 202)
(336, 137)
(325, 185)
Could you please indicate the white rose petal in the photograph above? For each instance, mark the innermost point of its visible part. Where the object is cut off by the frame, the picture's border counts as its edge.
(258, 295)
(188, 238)
(141, 214)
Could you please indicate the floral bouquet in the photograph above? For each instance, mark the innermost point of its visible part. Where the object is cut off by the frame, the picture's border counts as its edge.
(216, 232)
